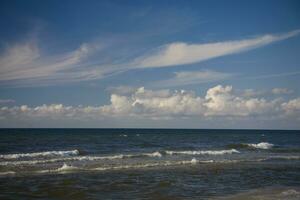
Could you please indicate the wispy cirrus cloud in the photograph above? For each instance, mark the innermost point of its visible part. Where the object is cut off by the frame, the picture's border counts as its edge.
(180, 53)
(26, 65)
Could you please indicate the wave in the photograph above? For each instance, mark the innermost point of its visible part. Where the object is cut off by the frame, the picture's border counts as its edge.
(7, 173)
(209, 152)
(158, 164)
(261, 145)
(64, 168)
(69, 168)
(283, 158)
(80, 158)
(40, 154)
(274, 193)
(113, 157)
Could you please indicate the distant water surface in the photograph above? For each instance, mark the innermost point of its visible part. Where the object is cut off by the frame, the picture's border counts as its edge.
(149, 164)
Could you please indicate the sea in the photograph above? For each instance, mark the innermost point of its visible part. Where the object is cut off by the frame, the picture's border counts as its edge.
(149, 164)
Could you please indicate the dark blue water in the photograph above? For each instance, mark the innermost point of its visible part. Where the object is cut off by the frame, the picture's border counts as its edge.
(149, 164)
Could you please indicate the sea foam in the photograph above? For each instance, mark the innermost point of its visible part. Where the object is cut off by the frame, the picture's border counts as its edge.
(40, 154)
(209, 152)
(261, 145)
(80, 158)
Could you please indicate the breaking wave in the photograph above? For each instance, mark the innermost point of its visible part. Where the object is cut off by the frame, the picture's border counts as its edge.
(40, 154)
(261, 145)
(80, 158)
(69, 168)
(209, 152)
(7, 173)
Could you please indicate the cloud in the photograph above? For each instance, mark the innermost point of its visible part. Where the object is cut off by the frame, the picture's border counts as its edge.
(6, 101)
(253, 93)
(222, 102)
(278, 91)
(193, 77)
(274, 91)
(219, 101)
(292, 107)
(24, 64)
(180, 53)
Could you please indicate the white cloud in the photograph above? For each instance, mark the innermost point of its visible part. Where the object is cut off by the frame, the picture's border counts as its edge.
(278, 91)
(5, 101)
(219, 101)
(193, 77)
(222, 102)
(26, 65)
(253, 93)
(180, 53)
(25, 62)
(292, 108)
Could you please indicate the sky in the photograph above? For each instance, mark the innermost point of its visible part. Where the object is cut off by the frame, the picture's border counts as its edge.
(150, 64)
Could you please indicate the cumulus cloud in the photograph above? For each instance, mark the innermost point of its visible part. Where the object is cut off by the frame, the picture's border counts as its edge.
(193, 77)
(278, 91)
(219, 101)
(292, 107)
(180, 53)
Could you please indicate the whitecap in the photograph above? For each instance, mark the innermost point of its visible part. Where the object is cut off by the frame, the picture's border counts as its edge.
(67, 167)
(261, 145)
(80, 158)
(154, 154)
(290, 192)
(194, 161)
(7, 173)
(208, 152)
(40, 154)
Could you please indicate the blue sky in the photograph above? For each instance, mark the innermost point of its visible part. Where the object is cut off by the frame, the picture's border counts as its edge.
(125, 64)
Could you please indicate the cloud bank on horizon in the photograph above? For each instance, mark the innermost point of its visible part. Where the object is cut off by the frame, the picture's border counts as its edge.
(219, 101)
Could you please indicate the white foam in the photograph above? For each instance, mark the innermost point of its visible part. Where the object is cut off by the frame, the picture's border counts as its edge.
(79, 158)
(148, 165)
(154, 154)
(290, 192)
(261, 145)
(209, 152)
(7, 173)
(66, 167)
(40, 154)
(194, 161)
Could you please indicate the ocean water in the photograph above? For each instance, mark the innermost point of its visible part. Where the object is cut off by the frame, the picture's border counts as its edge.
(149, 164)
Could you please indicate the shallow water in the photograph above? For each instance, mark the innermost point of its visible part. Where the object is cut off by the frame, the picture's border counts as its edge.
(148, 164)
